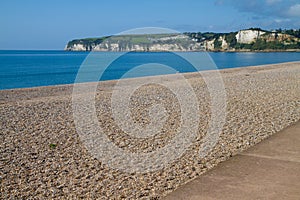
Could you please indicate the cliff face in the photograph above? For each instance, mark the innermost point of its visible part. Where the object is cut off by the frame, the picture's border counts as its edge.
(135, 47)
(210, 45)
(77, 47)
(163, 42)
(248, 36)
(251, 39)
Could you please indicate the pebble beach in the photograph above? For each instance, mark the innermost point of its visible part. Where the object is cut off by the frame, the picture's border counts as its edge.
(43, 156)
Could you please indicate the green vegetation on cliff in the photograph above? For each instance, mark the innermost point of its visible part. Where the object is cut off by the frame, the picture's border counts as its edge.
(135, 42)
(261, 44)
(261, 40)
(290, 39)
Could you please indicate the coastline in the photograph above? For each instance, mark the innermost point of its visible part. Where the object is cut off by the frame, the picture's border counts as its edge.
(261, 100)
(68, 86)
(229, 51)
(69, 62)
(258, 51)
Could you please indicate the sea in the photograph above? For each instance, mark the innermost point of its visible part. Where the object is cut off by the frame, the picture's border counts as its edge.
(33, 68)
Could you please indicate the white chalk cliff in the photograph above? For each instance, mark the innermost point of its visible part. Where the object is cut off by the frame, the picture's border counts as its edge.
(185, 42)
(248, 36)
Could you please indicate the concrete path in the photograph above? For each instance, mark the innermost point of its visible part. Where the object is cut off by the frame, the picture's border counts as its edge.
(269, 170)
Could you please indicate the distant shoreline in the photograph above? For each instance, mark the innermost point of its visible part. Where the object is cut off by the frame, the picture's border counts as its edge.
(259, 51)
(229, 51)
(253, 39)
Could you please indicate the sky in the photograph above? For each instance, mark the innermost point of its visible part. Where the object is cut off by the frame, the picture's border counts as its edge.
(36, 24)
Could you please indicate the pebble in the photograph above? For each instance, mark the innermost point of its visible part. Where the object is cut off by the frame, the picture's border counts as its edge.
(260, 102)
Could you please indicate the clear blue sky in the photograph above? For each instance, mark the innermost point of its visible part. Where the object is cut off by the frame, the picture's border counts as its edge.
(38, 24)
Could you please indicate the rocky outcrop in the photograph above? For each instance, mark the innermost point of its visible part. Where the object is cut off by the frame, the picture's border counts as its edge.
(284, 38)
(209, 45)
(224, 45)
(243, 40)
(153, 43)
(248, 36)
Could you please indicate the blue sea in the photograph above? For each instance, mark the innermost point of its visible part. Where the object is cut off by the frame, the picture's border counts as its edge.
(23, 69)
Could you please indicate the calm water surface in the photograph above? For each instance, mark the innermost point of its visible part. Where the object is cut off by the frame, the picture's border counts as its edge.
(22, 69)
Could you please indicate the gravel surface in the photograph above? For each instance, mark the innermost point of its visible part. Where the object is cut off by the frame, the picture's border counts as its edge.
(43, 156)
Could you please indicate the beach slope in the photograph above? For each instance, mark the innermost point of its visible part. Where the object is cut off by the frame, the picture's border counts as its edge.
(42, 155)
